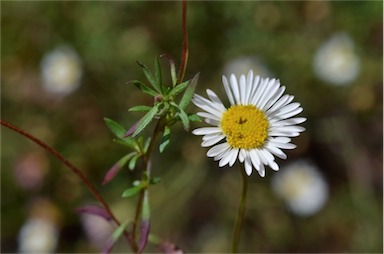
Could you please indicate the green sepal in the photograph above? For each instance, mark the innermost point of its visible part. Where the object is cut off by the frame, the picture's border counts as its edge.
(132, 191)
(178, 89)
(146, 120)
(119, 231)
(188, 94)
(115, 127)
(149, 76)
(140, 108)
(144, 88)
(165, 139)
(132, 162)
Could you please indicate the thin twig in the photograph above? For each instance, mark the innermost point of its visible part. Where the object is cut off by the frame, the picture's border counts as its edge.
(69, 165)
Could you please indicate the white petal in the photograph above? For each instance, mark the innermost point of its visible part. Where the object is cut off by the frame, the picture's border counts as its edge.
(260, 91)
(217, 149)
(278, 133)
(235, 88)
(290, 121)
(207, 105)
(261, 157)
(292, 128)
(256, 83)
(214, 98)
(262, 170)
(280, 103)
(284, 145)
(211, 141)
(268, 156)
(212, 122)
(242, 155)
(228, 90)
(242, 89)
(206, 130)
(276, 151)
(234, 153)
(287, 108)
(274, 166)
(269, 94)
(208, 115)
(255, 159)
(248, 86)
(222, 155)
(248, 166)
(274, 98)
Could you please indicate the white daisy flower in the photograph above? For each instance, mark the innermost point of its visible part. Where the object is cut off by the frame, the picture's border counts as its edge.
(336, 61)
(255, 128)
(302, 187)
(61, 71)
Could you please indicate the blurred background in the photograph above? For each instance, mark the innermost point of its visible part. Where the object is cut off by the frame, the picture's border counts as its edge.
(65, 66)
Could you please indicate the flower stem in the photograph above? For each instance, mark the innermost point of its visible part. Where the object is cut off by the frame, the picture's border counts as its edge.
(240, 212)
(184, 52)
(73, 168)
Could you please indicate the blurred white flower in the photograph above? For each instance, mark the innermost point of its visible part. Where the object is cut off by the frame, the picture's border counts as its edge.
(301, 186)
(38, 235)
(336, 62)
(243, 64)
(61, 70)
(97, 229)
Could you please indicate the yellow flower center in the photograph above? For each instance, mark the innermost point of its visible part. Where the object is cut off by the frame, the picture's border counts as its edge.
(245, 126)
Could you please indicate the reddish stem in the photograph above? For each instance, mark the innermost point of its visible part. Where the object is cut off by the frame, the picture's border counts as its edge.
(75, 170)
(184, 53)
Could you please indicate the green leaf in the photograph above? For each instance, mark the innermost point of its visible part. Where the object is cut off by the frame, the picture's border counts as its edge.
(149, 76)
(144, 88)
(158, 76)
(165, 139)
(194, 118)
(178, 89)
(184, 119)
(119, 231)
(132, 191)
(132, 162)
(146, 120)
(116, 128)
(140, 108)
(155, 180)
(112, 172)
(146, 144)
(188, 94)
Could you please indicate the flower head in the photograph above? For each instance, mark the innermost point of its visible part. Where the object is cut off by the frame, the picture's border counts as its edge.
(255, 128)
(302, 187)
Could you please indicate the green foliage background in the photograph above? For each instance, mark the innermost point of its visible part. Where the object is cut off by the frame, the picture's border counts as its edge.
(195, 204)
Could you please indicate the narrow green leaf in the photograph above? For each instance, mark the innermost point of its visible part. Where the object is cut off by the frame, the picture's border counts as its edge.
(132, 191)
(140, 108)
(188, 94)
(112, 172)
(149, 76)
(178, 89)
(184, 119)
(115, 236)
(115, 127)
(146, 120)
(194, 118)
(144, 88)
(146, 144)
(158, 76)
(165, 139)
(132, 162)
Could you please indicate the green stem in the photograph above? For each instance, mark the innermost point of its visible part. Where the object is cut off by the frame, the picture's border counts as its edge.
(240, 212)
(146, 171)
